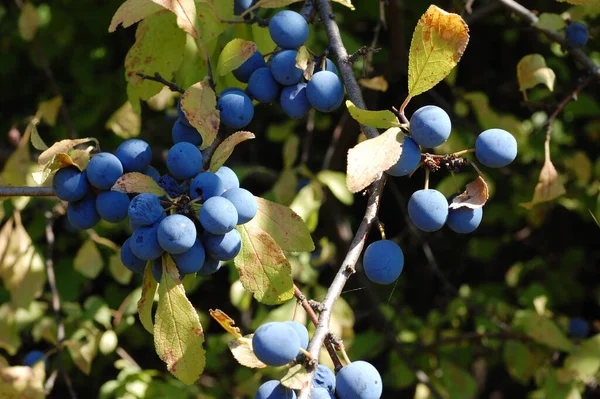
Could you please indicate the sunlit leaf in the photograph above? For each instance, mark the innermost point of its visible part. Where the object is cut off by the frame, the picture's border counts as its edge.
(226, 322)
(550, 21)
(48, 110)
(28, 278)
(36, 140)
(585, 360)
(9, 334)
(542, 330)
(22, 382)
(144, 305)
(549, 186)
(532, 70)
(234, 54)
(185, 10)
(303, 59)
(377, 83)
(131, 12)
(242, 351)
(125, 122)
(120, 273)
(199, 104)
(296, 378)
(336, 182)
(225, 149)
(379, 119)
(475, 195)
(88, 260)
(29, 21)
(136, 182)
(63, 147)
(84, 352)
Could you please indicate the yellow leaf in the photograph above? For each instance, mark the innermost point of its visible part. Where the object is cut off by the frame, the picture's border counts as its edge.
(199, 104)
(22, 382)
(225, 149)
(131, 12)
(532, 70)
(296, 378)
(136, 182)
(88, 260)
(347, 3)
(303, 59)
(125, 122)
(226, 322)
(178, 335)
(185, 10)
(242, 351)
(549, 185)
(377, 83)
(367, 160)
(144, 305)
(438, 43)
(62, 146)
(234, 54)
(475, 195)
(48, 110)
(29, 21)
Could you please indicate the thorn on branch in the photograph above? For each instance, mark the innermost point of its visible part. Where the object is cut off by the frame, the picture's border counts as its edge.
(159, 79)
(362, 52)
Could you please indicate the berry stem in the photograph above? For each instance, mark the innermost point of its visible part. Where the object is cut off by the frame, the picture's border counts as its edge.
(463, 152)
(381, 228)
(426, 179)
(479, 172)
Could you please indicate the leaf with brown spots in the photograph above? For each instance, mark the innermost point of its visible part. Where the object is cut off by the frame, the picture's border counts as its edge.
(438, 43)
(475, 195)
(178, 334)
(234, 54)
(199, 104)
(144, 305)
(136, 182)
(225, 149)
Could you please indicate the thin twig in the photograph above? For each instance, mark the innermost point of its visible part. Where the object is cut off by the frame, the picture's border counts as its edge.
(159, 79)
(26, 191)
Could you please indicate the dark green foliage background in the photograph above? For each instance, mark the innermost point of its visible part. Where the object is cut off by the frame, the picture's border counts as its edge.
(552, 250)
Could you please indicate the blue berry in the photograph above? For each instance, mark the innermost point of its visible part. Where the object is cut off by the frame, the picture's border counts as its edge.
(223, 247)
(577, 34)
(428, 209)
(69, 184)
(206, 185)
(176, 234)
(144, 209)
(288, 29)
(359, 380)
(181, 115)
(325, 91)
(103, 170)
(236, 109)
(112, 206)
(218, 215)
(135, 155)
(31, 358)
(230, 90)
(329, 66)
(294, 102)
(302, 332)
(244, 202)
(131, 261)
(263, 86)
(324, 378)
(383, 261)
(239, 6)
(246, 70)
(430, 126)
(274, 390)
(284, 69)
(321, 393)
(153, 173)
(144, 243)
(409, 159)
(464, 220)
(184, 160)
(185, 133)
(579, 328)
(275, 344)
(82, 214)
(211, 266)
(495, 148)
(228, 177)
(170, 185)
(192, 260)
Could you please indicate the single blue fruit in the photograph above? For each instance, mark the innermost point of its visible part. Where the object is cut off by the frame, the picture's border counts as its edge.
(31, 358)
(170, 185)
(103, 170)
(263, 86)
(176, 234)
(181, 114)
(144, 243)
(253, 63)
(230, 90)
(428, 209)
(192, 260)
(228, 177)
(463, 220)
(275, 344)
(325, 91)
(185, 133)
(577, 34)
(236, 109)
(358, 380)
(244, 202)
(302, 332)
(383, 261)
(239, 6)
(144, 209)
(579, 328)
(288, 29)
(211, 266)
(274, 390)
(321, 393)
(495, 148)
(430, 126)
(135, 155)
(69, 184)
(153, 173)
(131, 261)
(409, 159)
(283, 68)
(184, 160)
(223, 247)
(294, 102)
(218, 215)
(206, 185)
(112, 206)
(82, 214)
(157, 269)
(324, 378)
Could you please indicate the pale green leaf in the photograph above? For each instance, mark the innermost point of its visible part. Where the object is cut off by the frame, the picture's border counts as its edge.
(88, 260)
(29, 21)
(225, 149)
(234, 54)
(542, 330)
(379, 119)
(532, 70)
(241, 349)
(178, 335)
(28, 278)
(185, 10)
(131, 12)
(550, 21)
(290, 151)
(48, 110)
(125, 122)
(22, 382)
(36, 140)
(377, 83)
(585, 360)
(307, 203)
(63, 147)
(296, 378)
(367, 160)
(9, 334)
(285, 187)
(144, 305)
(336, 182)
(120, 273)
(136, 182)
(303, 59)
(199, 104)
(84, 352)
(263, 40)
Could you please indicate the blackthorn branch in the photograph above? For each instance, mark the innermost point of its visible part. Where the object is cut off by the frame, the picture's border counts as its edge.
(159, 79)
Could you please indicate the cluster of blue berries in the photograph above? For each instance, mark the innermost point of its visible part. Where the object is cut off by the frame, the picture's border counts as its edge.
(279, 343)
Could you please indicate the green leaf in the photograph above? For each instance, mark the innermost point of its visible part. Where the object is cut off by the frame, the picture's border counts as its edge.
(532, 70)
(125, 122)
(225, 149)
(378, 119)
(88, 260)
(307, 203)
(159, 46)
(263, 268)
(9, 334)
(131, 12)
(585, 360)
(120, 273)
(84, 353)
(234, 54)
(29, 22)
(284, 226)
(550, 21)
(542, 330)
(439, 41)
(48, 110)
(30, 276)
(290, 151)
(36, 140)
(367, 160)
(296, 378)
(336, 182)
(185, 10)
(459, 383)
(521, 362)
(136, 182)
(199, 104)
(144, 305)
(178, 335)
(285, 187)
